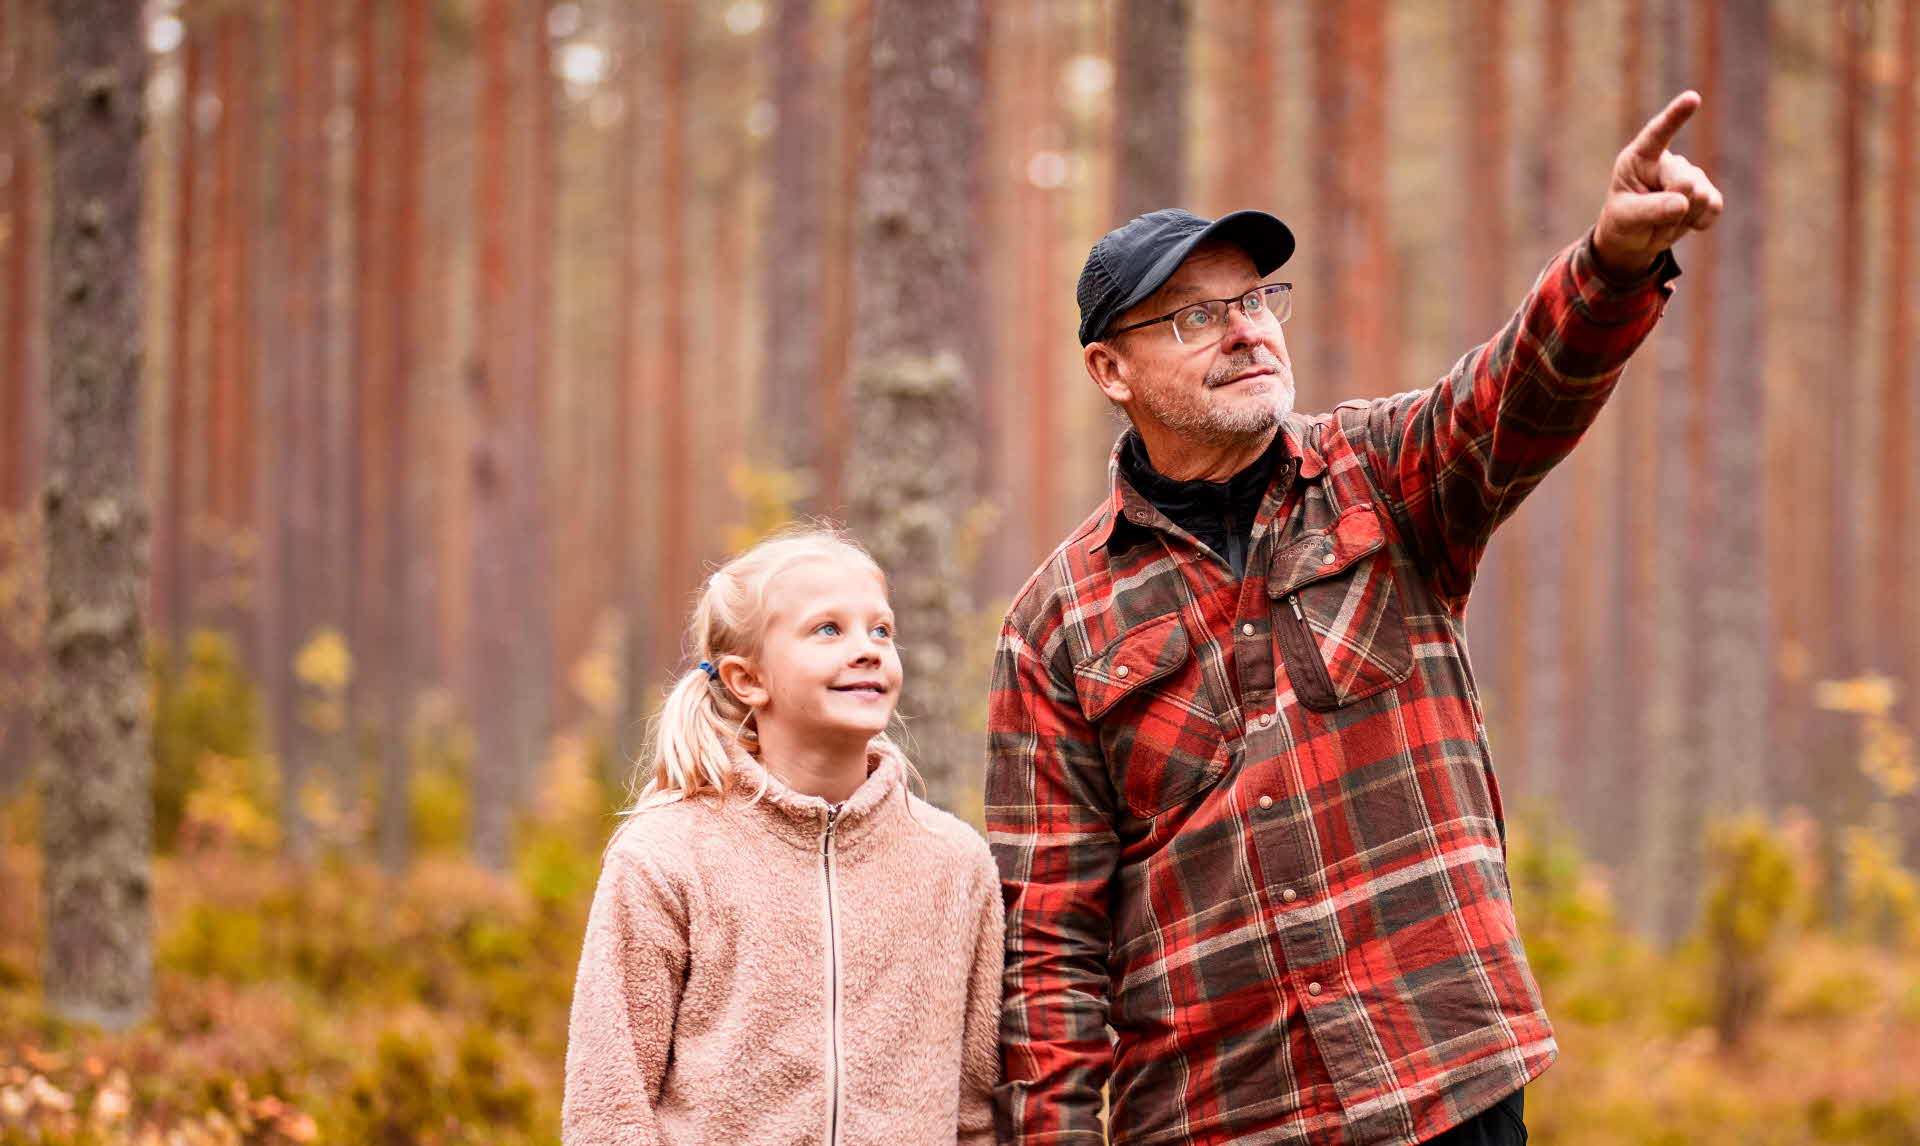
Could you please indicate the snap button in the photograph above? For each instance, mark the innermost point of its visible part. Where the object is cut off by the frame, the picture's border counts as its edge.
(1266, 801)
(1327, 560)
(1313, 988)
(1289, 895)
(1121, 671)
(1247, 628)
(1266, 719)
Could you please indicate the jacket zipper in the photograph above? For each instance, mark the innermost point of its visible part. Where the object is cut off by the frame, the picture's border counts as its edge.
(1309, 650)
(833, 981)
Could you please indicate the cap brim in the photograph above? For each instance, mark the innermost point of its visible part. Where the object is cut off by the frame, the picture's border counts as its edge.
(1262, 236)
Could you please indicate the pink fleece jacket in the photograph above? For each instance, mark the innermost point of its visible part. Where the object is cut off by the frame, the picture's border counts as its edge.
(781, 971)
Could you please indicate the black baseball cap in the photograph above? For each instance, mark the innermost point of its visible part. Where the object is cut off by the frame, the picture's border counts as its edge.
(1131, 262)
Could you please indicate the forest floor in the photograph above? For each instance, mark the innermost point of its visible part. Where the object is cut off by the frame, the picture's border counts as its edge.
(338, 1005)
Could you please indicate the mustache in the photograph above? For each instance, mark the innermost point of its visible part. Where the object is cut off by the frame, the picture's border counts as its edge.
(1258, 357)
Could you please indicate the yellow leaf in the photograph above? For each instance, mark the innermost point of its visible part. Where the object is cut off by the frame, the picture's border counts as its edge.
(1870, 695)
(324, 662)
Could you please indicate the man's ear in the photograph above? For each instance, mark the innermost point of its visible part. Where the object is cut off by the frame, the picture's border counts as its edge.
(1108, 371)
(742, 678)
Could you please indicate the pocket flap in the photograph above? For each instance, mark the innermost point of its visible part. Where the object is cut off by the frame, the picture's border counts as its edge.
(1142, 654)
(1320, 553)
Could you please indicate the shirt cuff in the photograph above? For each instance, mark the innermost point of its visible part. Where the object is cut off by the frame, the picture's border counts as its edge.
(1607, 295)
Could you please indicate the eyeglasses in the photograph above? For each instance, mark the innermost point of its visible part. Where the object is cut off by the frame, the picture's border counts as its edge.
(1204, 323)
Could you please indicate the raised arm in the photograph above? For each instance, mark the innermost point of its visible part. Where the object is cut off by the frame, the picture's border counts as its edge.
(1455, 460)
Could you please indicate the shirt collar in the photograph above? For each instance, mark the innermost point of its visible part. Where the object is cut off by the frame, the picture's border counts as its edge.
(1127, 508)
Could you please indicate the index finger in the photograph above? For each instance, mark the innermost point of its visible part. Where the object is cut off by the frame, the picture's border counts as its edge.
(1661, 129)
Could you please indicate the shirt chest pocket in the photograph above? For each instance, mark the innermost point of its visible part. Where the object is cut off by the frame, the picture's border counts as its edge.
(1146, 696)
(1337, 613)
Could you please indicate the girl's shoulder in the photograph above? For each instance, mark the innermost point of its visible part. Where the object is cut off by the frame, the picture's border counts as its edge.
(954, 838)
(663, 835)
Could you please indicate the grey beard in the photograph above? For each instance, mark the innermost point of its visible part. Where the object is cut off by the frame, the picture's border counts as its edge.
(1225, 426)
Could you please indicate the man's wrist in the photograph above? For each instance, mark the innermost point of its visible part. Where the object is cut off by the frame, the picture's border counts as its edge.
(1627, 280)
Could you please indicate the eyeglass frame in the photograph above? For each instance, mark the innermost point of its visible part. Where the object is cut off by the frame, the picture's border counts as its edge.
(1241, 299)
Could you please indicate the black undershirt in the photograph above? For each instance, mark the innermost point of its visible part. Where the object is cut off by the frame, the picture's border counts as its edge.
(1219, 514)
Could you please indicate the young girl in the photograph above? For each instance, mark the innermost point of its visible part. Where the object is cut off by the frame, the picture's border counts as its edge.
(786, 946)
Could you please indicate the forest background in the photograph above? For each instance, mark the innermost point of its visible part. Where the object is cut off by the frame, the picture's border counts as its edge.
(474, 331)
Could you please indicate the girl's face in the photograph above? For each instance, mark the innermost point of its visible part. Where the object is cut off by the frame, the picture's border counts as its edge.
(828, 670)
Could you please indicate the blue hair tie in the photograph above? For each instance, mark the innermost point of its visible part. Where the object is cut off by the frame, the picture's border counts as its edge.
(712, 673)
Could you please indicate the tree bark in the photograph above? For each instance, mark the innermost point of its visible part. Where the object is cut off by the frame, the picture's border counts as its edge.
(1151, 116)
(1739, 654)
(97, 826)
(172, 572)
(791, 373)
(1897, 628)
(408, 116)
(490, 393)
(916, 422)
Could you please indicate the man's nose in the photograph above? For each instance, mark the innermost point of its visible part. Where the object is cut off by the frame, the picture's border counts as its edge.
(1244, 331)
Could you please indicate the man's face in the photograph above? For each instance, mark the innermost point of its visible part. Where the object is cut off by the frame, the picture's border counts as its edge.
(1215, 394)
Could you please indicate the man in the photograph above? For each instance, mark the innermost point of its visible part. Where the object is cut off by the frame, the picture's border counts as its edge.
(1248, 835)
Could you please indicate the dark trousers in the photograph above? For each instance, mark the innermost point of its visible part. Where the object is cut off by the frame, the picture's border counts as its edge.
(1502, 1124)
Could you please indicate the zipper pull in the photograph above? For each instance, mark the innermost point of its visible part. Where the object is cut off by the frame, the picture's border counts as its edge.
(826, 837)
(1294, 600)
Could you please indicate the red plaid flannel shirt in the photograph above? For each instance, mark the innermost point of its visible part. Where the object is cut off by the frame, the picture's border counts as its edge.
(1249, 823)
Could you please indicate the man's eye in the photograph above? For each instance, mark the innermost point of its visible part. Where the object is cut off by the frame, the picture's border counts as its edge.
(1254, 301)
(1195, 319)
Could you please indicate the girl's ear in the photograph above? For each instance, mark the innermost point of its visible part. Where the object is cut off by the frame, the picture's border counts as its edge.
(741, 677)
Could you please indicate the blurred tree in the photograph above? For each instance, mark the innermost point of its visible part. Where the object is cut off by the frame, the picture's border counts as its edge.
(1897, 628)
(97, 818)
(1351, 265)
(20, 187)
(304, 585)
(1150, 121)
(1669, 868)
(1844, 652)
(1735, 602)
(1244, 100)
(230, 453)
(21, 418)
(791, 256)
(854, 47)
(172, 572)
(915, 420)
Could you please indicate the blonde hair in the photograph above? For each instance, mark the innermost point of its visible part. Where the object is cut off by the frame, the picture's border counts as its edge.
(690, 745)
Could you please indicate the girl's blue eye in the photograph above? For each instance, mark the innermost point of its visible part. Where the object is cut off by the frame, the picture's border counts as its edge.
(825, 626)
(884, 632)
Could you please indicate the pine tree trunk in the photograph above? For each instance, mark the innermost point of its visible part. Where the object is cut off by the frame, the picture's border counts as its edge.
(792, 256)
(408, 118)
(97, 826)
(172, 570)
(1150, 117)
(1898, 630)
(1678, 791)
(21, 419)
(1740, 651)
(915, 413)
(490, 383)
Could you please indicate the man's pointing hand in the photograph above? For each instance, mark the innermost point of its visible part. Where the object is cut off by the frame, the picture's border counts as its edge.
(1655, 196)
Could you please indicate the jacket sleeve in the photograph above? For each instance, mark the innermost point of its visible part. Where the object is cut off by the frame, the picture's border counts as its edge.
(1454, 461)
(980, 1050)
(625, 1000)
(1050, 823)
